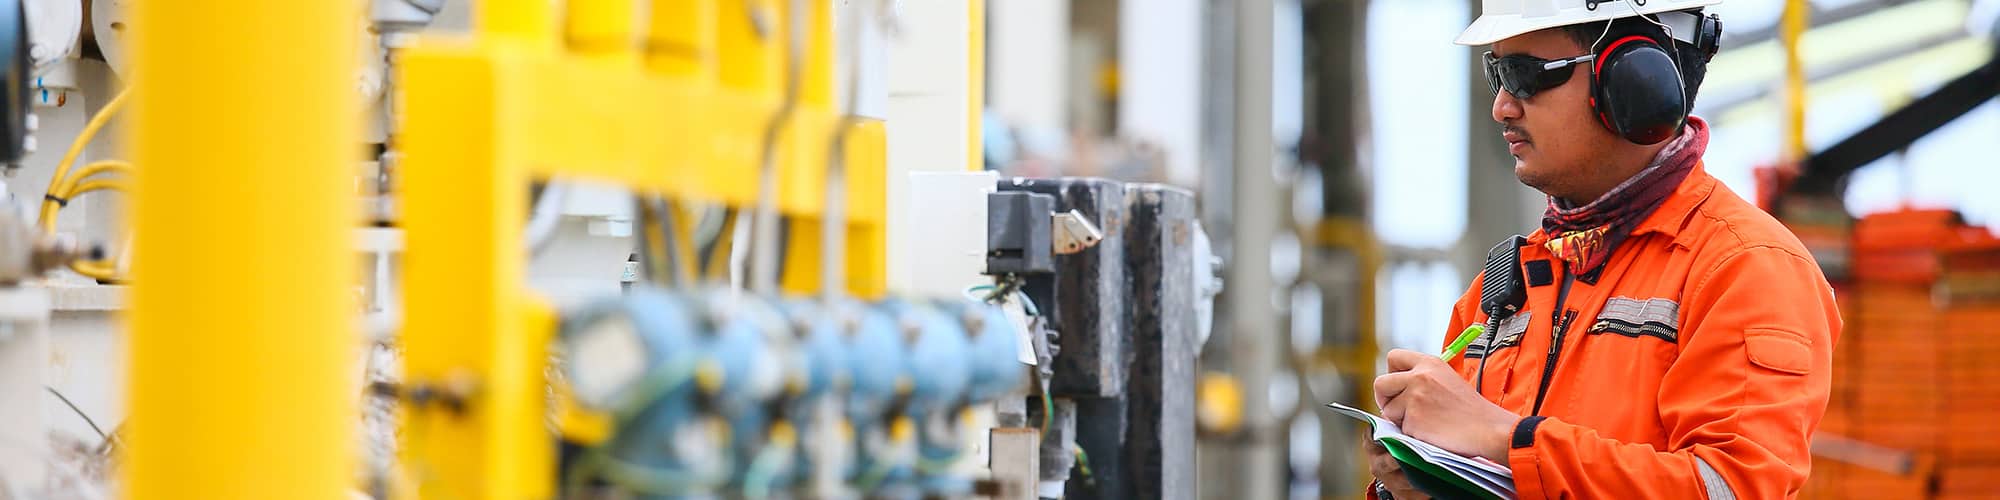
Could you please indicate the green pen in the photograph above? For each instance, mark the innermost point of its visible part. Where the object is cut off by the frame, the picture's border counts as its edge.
(1464, 339)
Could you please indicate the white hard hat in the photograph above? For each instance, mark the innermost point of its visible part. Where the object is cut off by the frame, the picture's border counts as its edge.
(1503, 19)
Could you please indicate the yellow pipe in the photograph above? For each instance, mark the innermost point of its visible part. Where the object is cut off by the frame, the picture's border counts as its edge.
(681, 39)
(1792, 27)
(241, 320)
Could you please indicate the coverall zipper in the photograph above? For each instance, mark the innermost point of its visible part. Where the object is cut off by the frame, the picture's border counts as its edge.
(1562, 318)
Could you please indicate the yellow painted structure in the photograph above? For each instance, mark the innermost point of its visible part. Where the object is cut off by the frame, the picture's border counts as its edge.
(242, 320)
(975, 79)
(1792, 26)
(680, 110)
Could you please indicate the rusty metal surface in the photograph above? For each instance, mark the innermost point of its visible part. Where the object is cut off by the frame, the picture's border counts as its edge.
(1125, 311)
(1159, 434)
(1087, 295)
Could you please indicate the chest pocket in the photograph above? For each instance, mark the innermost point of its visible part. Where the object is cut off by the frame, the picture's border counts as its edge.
(1507, 335)
(1657, 318)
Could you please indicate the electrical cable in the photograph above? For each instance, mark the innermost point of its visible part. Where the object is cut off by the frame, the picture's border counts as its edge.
(62, 190)
(741, 242)
(707, 230)
(102, 269)
(716, 267)
(765, 226)
(1083, 464)
(672, 245)
(833, 223)
(83, 138)
(687, 259)
(545, 216)
(63, 186)
(1048, 412)
(649, 259)
(79, 412)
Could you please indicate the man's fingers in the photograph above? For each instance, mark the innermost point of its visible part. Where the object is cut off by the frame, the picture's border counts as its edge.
(1383, 465)
(1388, 386)
(1401, 360)
(1393, 411)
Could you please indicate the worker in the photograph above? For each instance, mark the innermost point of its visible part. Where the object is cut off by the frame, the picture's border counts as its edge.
(1674, 341)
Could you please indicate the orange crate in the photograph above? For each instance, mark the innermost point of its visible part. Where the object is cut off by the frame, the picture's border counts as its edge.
(1969, 479)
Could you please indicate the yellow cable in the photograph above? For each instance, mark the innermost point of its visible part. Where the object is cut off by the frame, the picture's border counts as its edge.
(105, 269)
(66, 188)
(83, 138)
(718, 259)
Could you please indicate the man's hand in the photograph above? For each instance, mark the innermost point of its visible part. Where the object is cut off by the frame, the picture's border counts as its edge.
(1430, 402)
(1390, 472)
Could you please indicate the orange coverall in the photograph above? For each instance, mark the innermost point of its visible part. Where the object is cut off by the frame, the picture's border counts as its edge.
(1695, 364)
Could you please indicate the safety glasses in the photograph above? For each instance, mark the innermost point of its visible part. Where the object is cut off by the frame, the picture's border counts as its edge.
(1524, 76)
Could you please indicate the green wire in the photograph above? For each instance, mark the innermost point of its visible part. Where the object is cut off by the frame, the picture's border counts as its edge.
(1083, 464)
(1048, 413)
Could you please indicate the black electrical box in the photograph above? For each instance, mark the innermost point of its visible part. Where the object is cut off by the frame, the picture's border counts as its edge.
(1018, 232)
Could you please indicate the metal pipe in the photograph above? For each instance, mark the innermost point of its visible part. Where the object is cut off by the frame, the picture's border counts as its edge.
(1253, 320)
(242, 324)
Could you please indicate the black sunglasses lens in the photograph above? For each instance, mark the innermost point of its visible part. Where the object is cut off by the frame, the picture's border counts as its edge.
(1517, 75)
(1524, 76)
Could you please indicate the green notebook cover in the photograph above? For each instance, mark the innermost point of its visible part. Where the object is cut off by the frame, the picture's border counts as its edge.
(1433, 479)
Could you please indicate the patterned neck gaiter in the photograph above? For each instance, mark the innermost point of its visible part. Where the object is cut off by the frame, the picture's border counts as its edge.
(1585, 236)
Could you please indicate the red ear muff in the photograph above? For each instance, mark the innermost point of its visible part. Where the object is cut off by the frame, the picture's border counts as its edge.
(1637, 92)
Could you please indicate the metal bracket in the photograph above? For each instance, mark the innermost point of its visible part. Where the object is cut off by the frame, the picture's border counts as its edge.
(1073, 233)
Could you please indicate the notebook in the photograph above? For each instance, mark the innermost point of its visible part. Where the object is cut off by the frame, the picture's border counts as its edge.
(1439, 473)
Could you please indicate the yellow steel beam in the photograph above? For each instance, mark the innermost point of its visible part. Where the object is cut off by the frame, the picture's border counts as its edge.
(683, 113)
(670, 135)
(242, 306)
(469, 323)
